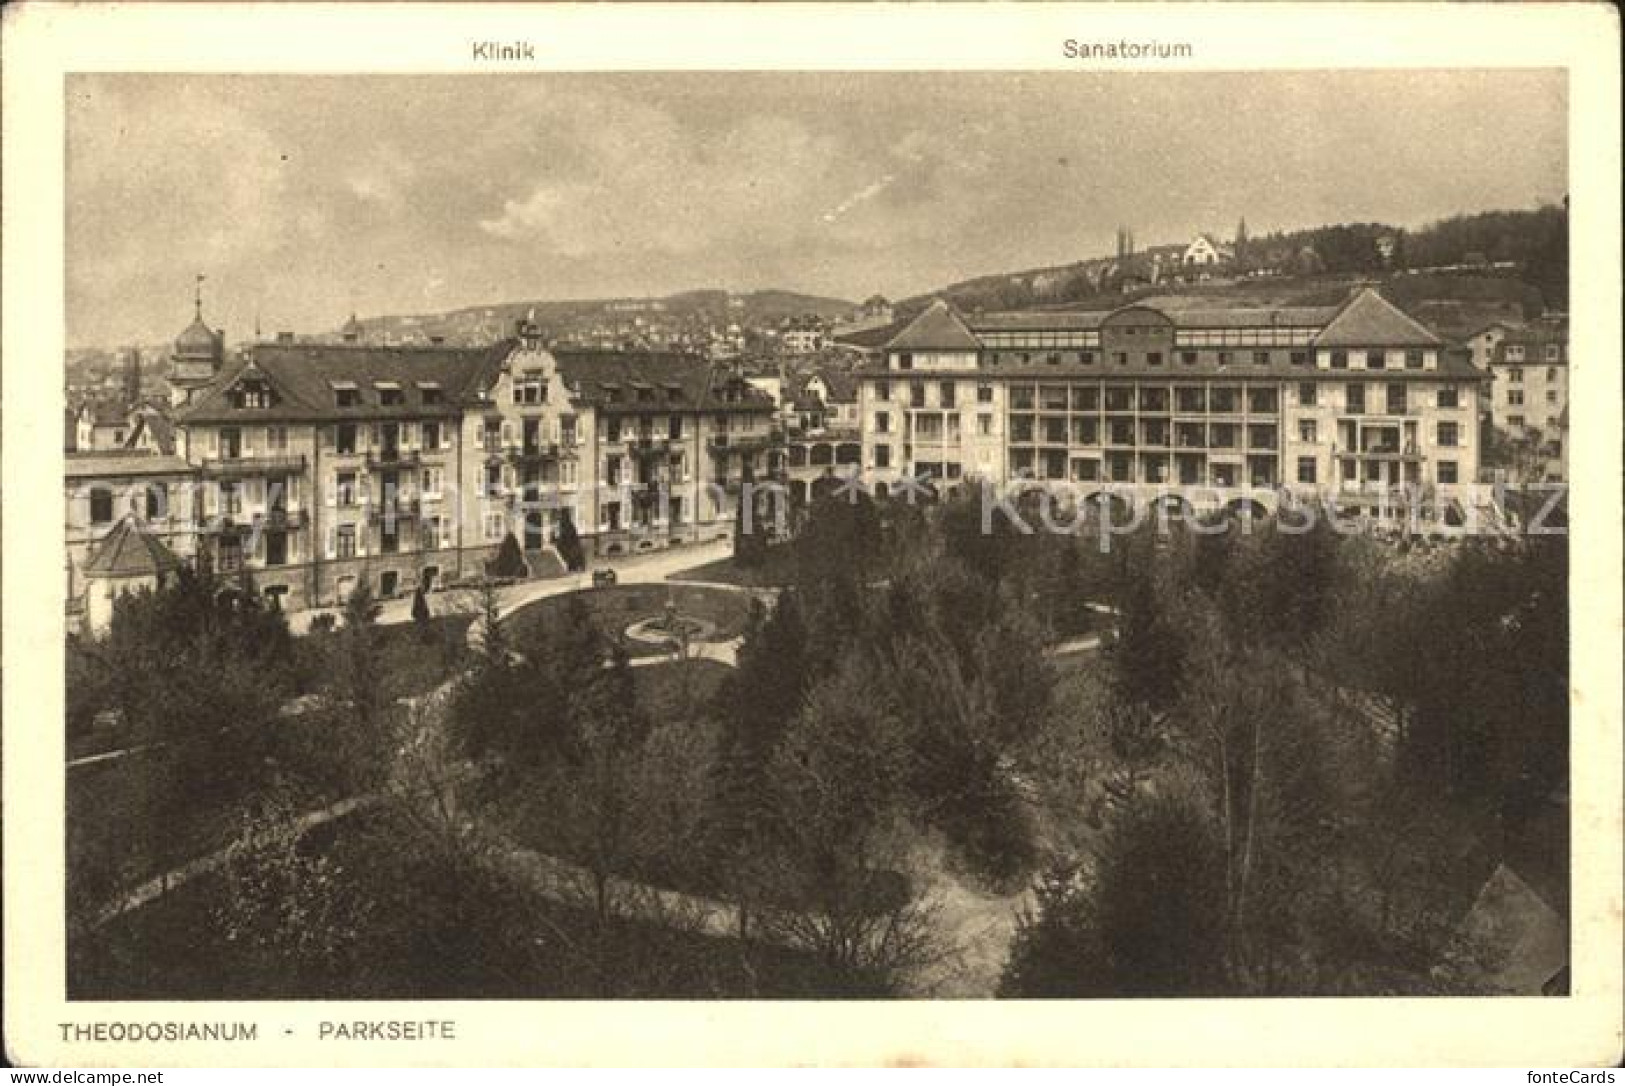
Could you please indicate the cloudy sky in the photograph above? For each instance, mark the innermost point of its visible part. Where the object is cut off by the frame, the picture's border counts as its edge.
(304, 198)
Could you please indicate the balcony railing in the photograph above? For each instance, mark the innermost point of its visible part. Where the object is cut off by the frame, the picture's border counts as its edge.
(233, 466)
(397, 510)
(533, 453)
(282, 520)
(388, 459)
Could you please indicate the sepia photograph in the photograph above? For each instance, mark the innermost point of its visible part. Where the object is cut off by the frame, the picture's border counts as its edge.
(1072, 534)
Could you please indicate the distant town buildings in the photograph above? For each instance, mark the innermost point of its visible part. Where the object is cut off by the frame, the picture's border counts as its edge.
(1530, 395)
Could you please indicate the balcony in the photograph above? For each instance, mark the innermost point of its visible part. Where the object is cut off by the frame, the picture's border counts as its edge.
(282, 520)
(400, 509)
(231, 467)
(533, 453)
(1382, 451)
(390, 459)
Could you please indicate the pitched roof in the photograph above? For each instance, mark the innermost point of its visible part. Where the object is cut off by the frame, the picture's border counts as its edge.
(938, 328)
(841, 386)
(304, 377)
(674, 382)
(871, 337)
(128, 551)
(1370, 320)
(157, 424)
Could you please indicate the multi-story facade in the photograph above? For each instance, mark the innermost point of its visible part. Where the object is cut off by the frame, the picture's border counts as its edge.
(324, 466)
(1209, 407)
(1530, 394)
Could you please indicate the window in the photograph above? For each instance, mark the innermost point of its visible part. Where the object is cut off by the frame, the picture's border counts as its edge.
(1307, 394)
(1356, 398)
(1376, 360)
(157, 501)
(1515, 397)
(1551, 395)
(1448, 434)
(1188, 357)
(344, 488)
(984, 392)
(1413, 360)
(1224, 358)
(344, 537)
(882, 422)
(1340, 360)
(1447, 472)
(493, 527)
(346, 438)
(1515, 422)
(1551, 352)
(674, 428)
(1306, 469)
(1397, 400)
(432, 395)
(433, 480)
(431, 435)
(1514, 353)
(1261, 358)
(1551, 373)
(1449, 396)
(276, 439)
(390, 395)
(984, 424)
(882, 456)
(1300, 358)
(347, 397)
(567, 429)
(916, 393)
(1307, 433)
(101, 505)
(1154, 358)
(945, 392)
(882, 390)
(905, 361)
(1515, 375)
(1086, 358)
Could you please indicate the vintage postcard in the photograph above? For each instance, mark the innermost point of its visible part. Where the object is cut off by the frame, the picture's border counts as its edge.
(897, 534)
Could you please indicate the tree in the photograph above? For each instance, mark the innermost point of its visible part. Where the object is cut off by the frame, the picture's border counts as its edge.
(750, 535)
(567, 541)
(509, 563)
(1145, 918)
(287, 903)
(1148, 653)
(420, 613)
(839, 894)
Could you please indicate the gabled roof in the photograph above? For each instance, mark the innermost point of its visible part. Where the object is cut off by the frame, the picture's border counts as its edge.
(156, 424)
(871, 338)
(128, 551)
(1370, 320)
(939, 328)
(841, 386)
(303, 377)
(104, 412)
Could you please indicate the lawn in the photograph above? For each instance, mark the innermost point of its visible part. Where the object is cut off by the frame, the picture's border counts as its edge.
(776, 570)
(620, 606)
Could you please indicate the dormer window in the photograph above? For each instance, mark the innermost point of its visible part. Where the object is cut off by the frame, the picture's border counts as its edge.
(530, 390)
(674, 393)
(346, 394)
(389, 394)
(433, 395)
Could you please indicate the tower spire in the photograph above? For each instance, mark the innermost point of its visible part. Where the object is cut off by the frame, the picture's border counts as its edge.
(197, 297)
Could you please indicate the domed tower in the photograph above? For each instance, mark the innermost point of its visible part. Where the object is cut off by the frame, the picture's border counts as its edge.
(198, 354)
